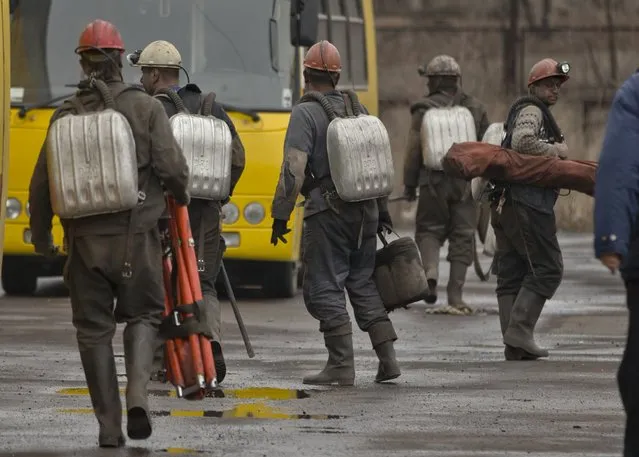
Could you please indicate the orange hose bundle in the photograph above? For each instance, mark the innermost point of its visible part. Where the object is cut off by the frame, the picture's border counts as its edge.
(189, 361)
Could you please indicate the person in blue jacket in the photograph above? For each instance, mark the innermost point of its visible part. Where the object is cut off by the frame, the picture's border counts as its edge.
(616, 236)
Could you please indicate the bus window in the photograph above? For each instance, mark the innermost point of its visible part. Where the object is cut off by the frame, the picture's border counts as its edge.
(339, 35)
(357, 35)
(211, 36)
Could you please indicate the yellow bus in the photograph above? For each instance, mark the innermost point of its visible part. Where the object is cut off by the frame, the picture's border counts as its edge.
(244, 50)
(5, 11)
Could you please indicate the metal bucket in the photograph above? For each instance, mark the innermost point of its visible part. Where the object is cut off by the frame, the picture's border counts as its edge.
(399, 273)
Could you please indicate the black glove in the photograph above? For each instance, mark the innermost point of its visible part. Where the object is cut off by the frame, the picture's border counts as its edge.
(384, 223)
(279, 230)
(410, 193)
(46, 248)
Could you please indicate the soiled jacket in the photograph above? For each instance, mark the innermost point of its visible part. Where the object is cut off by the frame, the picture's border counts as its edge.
(415, 173)
(192, 97)
(306, 157)
(160, 162)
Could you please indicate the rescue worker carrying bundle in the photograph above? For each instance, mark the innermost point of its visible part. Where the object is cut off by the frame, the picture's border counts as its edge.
(339, 158)
(446, 209)
(215, 155)
(529, 264)
(109, 150)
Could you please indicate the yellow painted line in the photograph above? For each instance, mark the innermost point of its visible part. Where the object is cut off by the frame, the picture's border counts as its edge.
(182, 450)
(269, 393)
(266, 393)
(186, 413)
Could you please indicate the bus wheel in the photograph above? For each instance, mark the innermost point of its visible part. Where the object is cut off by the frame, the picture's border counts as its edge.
(17, 280)
(280, 280)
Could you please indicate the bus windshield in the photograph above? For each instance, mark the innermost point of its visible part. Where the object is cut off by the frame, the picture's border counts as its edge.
(239, 49)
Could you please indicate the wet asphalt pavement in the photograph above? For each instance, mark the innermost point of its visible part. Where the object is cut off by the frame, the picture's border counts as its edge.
(456, 396)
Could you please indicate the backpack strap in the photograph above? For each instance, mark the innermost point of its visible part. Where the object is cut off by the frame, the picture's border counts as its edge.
(174, 97)
(208, 102)
(352, 103)
(318, 97)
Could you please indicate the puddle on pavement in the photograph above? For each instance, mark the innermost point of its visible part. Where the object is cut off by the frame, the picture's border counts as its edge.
(262, 393)
(241, 411)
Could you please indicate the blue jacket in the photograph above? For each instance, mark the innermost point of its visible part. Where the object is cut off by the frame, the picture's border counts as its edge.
(617, 181)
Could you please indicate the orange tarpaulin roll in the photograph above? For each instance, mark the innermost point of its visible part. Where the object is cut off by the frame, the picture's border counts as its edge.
(189, 362)
(474, 159)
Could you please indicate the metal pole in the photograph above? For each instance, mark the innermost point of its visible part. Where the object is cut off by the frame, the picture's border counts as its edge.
(236, 311)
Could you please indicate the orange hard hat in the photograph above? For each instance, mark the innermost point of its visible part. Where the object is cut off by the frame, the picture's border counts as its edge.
(100, 34)
(323, 56)
(548, 68)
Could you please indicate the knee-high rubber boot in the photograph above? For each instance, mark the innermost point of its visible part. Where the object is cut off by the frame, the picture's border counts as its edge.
(140, 341)
(340, 367)
(382, 335)
(429, 252)
(213, 316)
(158, 372)
(506, 303)
(456, 282)
(99, 370)
(523, 318)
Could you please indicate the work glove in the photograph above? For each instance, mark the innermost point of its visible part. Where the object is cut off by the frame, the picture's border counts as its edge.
(184, 200)
(410, 193)
(279, 230)
(562, 150)
(385, 223)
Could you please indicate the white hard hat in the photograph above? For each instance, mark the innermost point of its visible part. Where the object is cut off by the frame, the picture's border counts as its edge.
(161, 54)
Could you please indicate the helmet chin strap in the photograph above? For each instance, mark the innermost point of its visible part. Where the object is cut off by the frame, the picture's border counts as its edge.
(321, 49)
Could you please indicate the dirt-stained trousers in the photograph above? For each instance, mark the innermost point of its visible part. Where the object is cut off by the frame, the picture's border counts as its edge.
(205, 217)
(445, 211)
(528, 253)
(628, 375)
(339, 253)
(101, 297)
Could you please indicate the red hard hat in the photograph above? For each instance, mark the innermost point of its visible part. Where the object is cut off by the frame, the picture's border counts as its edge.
(323, 56)
(547, 68)
(100, 34)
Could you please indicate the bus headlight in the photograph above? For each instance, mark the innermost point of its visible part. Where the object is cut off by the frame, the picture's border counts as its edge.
(13, 208)
(230, 213)
(254, 213)
(27, 210)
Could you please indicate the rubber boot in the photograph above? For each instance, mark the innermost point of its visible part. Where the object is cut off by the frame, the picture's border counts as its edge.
(523, 318)
(218, 359)
(429, 252)
(158, 372)
(140, 340)
(382, 335)
(99, 370)
(340, 367)
(456, 281)
(212, 313)
(506, 303)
